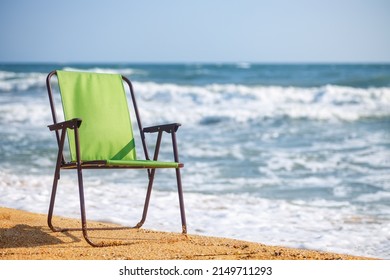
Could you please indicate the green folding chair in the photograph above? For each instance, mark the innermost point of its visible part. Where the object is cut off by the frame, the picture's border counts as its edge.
(100, 136)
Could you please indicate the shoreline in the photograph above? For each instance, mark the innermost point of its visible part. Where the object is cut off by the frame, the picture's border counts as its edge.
(26, 236)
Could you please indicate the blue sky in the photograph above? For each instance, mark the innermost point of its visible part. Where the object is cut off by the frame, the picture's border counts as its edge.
(262, 31)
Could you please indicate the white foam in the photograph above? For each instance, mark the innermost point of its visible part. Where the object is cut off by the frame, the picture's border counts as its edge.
(236, 102)
(375, 197)
(321, 224)
(10, 81)
(6, 75)
(243, 65)
(243, 103)
(34, 113)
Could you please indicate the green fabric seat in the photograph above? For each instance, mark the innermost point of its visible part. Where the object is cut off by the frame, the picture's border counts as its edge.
(143, 163)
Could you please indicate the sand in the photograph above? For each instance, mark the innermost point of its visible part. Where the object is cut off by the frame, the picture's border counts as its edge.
(26, 236)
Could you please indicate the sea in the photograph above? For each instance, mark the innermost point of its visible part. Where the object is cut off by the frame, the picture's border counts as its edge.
(296, 155)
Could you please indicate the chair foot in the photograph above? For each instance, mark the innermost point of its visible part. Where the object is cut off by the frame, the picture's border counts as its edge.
(93, 244)
(88, 239)
(139, 225)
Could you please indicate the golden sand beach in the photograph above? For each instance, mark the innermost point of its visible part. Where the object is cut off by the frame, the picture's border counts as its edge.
(26, 236)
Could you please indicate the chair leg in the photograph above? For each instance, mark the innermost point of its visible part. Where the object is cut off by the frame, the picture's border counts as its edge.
(55, 181)
(147, 199)
(181, 201)
(179, 185)
(52, 201)
(82, 210)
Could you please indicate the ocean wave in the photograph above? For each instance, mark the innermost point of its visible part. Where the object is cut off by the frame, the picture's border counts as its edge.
(12, 81)
(243, 65)
(217, 103)
(22, 81)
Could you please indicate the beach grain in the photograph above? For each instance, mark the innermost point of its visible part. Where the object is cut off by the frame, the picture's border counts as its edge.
(26, 236)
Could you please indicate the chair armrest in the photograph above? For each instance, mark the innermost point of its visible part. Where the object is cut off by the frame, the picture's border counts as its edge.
(165, 127)
(66, 124)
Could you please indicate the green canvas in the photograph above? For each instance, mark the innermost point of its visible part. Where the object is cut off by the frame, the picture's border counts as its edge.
(106, 133)
(100, 101)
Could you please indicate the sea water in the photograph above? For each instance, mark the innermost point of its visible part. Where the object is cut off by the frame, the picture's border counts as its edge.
(294, 155)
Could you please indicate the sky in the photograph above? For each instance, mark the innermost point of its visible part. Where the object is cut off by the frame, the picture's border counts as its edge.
(169, 31)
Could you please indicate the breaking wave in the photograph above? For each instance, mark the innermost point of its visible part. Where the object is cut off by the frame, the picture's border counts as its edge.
(242, 103)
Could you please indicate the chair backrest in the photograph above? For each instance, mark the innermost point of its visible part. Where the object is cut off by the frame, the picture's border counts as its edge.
(100, 101)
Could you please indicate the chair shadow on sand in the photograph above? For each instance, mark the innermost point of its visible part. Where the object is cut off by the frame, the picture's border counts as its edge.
(27, 236)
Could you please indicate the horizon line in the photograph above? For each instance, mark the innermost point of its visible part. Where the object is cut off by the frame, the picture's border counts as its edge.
(197, 62)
